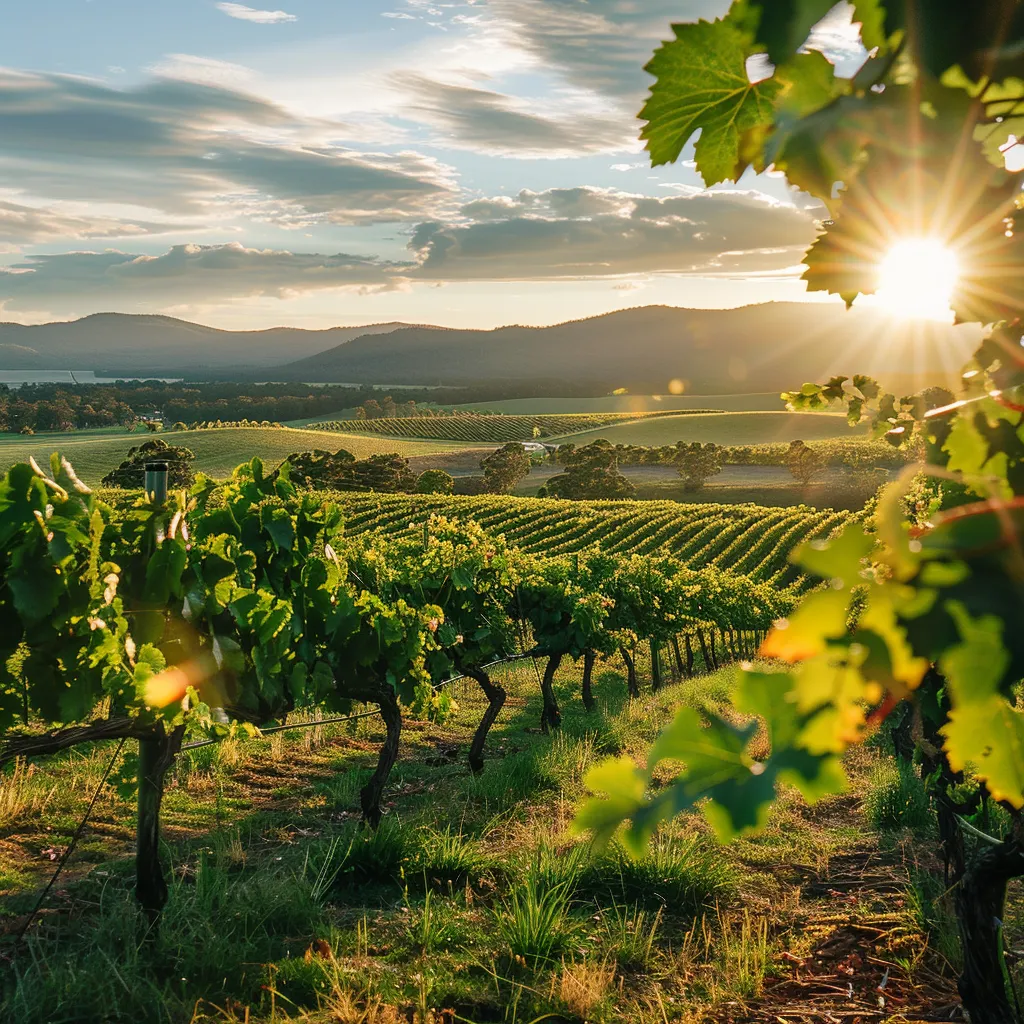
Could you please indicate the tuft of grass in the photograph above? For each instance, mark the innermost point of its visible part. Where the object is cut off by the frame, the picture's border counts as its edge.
(897, 800)
(533, 922)
(686, 874)
(515, 778)
(931, 905)
(447, 858)
(632, 937)
(375, 855)
(727, 956)
(579, 989)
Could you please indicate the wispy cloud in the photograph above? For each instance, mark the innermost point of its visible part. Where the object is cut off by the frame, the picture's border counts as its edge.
(244, 13)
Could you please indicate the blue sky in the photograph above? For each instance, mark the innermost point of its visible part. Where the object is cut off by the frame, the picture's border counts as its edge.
(468, 163)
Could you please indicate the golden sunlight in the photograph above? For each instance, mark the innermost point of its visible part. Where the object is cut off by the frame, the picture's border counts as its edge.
(917, 278)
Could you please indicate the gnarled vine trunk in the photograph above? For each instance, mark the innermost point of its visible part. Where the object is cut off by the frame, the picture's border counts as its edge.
(550, 716)
(370, 795)
(589, 657)
(689, 654)
(980, 901)
(655, 666)
(495, 701)
(631, 683)
(156, 755)
(678, 655)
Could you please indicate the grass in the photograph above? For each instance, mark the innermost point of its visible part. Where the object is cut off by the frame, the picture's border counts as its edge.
(472, 901)
(218, 451)
(724, 428)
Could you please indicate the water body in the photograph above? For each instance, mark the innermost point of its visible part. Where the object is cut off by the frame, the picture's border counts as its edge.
(16, 378)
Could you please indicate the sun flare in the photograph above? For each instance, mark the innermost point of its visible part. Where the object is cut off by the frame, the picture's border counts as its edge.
(917, 278)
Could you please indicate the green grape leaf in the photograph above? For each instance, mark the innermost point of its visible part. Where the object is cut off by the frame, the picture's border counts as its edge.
(164, 570)
(786, 24)
(623, 786)
(35, 590)
(806, 633)
(840, 558)
(988, 736)
(976, 665)
(702, 83)
(278, 523)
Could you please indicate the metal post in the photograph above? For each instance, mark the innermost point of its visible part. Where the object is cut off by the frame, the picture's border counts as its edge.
(156, 482)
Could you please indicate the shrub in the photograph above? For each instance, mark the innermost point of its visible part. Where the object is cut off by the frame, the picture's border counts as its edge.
(132, 472)
(470, 485)
(435, 481)
(504, 468)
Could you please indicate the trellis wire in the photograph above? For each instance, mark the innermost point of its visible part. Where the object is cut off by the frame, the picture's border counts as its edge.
(351, 718)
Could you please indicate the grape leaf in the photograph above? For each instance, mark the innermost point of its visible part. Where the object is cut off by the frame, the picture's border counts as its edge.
(988, 736)
(702, 83)
(786, 24)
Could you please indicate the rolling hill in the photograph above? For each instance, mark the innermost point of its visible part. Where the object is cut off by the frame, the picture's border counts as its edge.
(118, 343)
(760, 348)
(757, 348)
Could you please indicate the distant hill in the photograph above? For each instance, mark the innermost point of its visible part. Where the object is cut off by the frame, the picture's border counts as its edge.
(759, 348)
(754, 348)
(116, 343)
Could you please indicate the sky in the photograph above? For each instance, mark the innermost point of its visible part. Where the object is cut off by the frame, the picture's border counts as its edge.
(470, 163)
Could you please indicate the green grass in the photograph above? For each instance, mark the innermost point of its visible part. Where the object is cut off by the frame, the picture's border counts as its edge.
(728, 428)
(473, 897)
(218, 451)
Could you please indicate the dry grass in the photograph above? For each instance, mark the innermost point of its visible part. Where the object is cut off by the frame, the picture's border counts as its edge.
(581, 987)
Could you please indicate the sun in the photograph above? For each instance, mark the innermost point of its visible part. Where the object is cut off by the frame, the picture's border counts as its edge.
(917, 278)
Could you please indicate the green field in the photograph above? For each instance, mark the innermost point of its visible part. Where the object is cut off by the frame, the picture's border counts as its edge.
(767, 401)
(723, 428)
(218, 451)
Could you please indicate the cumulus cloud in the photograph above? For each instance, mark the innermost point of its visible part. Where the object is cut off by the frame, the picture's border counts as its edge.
(486, 121)
(198, 149)
(593, 233)
(244, 13)
(185, 274)
(572, 233)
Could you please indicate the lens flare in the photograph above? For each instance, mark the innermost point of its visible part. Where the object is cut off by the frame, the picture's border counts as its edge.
(917, 278)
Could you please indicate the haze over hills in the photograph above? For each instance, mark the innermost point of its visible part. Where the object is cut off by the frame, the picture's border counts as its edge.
(120, 343)
(765, 347)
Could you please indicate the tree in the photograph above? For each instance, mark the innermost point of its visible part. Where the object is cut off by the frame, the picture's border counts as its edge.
(804, 462)
(504, 468)
(435, 481)
(696, 463)
(590, 472)
(132, 472)
(922, 612)
(387, 473)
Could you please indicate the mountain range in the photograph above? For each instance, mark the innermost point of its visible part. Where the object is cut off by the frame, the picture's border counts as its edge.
(752, 348)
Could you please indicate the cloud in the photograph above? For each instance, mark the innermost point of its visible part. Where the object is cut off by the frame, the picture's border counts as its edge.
(469, 117)
(184, 274)
(31, 224)
(244, 13)
(593, 233)
(600, 45)
(575, 233)
(199, 150)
